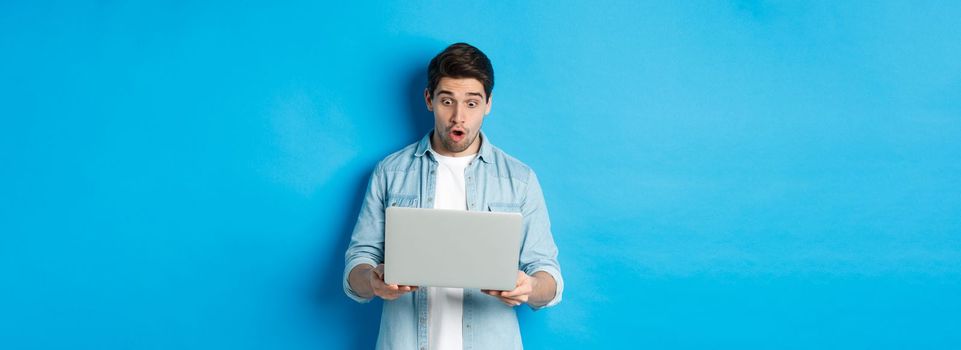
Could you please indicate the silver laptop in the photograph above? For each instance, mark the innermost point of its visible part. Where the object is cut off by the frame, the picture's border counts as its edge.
(451, 248)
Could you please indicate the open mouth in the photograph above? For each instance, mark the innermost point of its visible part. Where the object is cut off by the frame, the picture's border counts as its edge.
(457, 135)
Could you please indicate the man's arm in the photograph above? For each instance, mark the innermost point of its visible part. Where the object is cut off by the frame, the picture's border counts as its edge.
(539, 282)
(367, 240)
(538, 251)
(362, 280)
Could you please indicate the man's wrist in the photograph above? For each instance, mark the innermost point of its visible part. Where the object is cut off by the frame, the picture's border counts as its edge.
(540, 297)
(361, 282)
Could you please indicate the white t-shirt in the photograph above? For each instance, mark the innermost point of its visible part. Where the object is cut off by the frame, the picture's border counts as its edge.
(446, 305)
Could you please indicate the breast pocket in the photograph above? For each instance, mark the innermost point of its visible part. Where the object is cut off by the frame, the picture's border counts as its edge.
(402, 200)
(504, 207)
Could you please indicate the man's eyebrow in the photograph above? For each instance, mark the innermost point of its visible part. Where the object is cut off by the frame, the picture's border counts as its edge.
(446, 92)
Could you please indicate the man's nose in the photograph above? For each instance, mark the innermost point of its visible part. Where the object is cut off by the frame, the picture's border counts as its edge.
(457, 116)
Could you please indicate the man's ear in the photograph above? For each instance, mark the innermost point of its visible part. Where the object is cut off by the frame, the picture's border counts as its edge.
(490, 102)
(430, 106)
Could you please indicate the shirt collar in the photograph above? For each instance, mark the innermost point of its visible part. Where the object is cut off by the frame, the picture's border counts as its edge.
(485, 153)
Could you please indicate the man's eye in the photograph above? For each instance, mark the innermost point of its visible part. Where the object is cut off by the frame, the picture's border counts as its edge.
(446, 102)
(471, 104)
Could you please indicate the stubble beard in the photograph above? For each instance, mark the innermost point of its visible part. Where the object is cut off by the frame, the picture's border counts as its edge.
(454, 147)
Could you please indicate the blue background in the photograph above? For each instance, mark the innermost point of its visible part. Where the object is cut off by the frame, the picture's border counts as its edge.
(720, 174)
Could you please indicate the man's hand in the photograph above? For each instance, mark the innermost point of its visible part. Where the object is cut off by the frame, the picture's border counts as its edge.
(524, 288)
(383, 290)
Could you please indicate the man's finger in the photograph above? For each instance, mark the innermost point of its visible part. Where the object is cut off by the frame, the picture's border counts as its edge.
(378, 272)
(510, 302)
(520, 298)
(512, 293)
(495, 293)
(388, 295)
(392, 291)
(520, 290)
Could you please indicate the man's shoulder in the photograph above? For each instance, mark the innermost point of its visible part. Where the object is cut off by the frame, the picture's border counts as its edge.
(509, 166)
(399, 160)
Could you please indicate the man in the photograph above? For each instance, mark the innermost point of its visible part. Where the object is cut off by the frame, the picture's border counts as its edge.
(454, 166)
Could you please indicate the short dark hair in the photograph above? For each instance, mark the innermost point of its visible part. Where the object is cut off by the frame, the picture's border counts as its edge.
(458, 61)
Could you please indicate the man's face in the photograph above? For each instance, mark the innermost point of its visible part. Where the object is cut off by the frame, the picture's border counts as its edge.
(459, 107)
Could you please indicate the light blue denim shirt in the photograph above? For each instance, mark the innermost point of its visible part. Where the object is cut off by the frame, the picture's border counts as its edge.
(495, 181)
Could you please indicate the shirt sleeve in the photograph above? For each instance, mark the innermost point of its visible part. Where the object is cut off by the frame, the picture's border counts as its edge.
(367, 240)
(538, 251)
